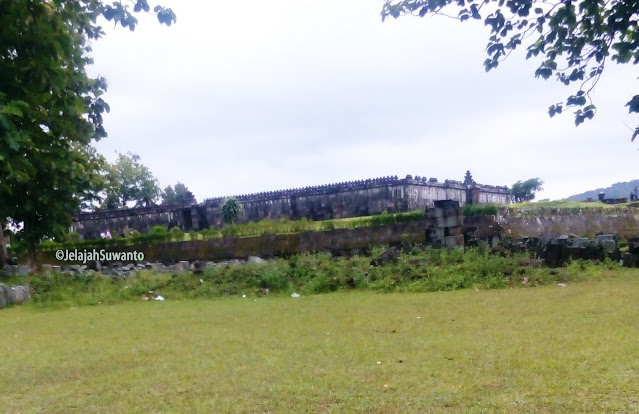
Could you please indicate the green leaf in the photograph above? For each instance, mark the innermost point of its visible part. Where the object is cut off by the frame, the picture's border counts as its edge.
(633, 104)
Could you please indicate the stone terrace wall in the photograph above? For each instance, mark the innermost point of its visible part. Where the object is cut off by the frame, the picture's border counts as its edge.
(339, 200)
(275, 245)
(625, 226)
(353, 199)
(554, 222)
(142, 219)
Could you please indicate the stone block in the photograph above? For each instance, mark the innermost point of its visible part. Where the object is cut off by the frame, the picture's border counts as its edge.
(434, 213)
(447, 222)
(609, 246)
(453, 231)
(47, 268)
(453, 241)
(630, 259)
(4, 300)
(18, 294)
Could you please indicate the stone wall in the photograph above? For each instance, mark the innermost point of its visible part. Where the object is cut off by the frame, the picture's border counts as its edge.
(275, 245)
(553, 222)
(354, 199)
(142, 219)
(332, 201)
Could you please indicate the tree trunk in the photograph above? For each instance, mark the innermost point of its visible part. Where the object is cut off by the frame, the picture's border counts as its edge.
(31, 258)
(3, 249)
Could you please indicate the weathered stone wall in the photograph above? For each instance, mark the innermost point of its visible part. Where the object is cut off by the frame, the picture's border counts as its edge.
(90, 225)
(625, 226)
(515, 224)
(340, 200)
(273, 245)
(354, 199)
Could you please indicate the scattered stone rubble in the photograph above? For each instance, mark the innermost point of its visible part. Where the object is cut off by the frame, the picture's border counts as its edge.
(556, 251)
(120, 270)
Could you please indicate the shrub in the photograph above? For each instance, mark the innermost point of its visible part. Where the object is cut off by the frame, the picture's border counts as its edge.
(158, 230)
(74, 236)
(176, 233)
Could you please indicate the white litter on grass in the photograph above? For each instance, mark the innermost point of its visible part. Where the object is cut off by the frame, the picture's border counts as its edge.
(561, 284)
(419, 317)
(243, 296)
(379, 362)
(295, 295)
(159, 298)
(201, 281)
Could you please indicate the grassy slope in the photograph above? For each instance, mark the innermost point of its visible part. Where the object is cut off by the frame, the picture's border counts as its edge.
(545, 349)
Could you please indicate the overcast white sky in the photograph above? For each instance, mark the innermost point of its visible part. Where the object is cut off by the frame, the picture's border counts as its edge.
(255, 96)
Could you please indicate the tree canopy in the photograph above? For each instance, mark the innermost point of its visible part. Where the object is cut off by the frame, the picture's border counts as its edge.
(51, 110)
(573, 39)
(179, 195)
(231, 210)
(525, 190)
(129, 181)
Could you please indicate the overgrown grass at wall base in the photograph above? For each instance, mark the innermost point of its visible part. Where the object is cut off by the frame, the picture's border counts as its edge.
(160, 234)
(480, 210)
(415, 271)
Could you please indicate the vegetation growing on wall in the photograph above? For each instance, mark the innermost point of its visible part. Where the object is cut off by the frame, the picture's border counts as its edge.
(159, 233)
(480, 210)
(417, 270)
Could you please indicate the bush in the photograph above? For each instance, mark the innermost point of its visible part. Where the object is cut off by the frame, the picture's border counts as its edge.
(158, 230)
(176, 233)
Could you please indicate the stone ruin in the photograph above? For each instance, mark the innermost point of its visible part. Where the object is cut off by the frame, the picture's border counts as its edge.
(323, 202)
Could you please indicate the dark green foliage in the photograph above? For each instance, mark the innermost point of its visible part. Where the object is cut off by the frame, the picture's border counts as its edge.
(129, 181)
(51, 111)
(572, 40)
(231, 210)
(178, 196)
(525, 190)
(480, 210)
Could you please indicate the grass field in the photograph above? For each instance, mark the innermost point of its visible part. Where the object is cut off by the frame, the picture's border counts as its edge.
(527, 350)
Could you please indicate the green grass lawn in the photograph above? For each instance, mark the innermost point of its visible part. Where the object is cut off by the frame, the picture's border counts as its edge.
(527, 350)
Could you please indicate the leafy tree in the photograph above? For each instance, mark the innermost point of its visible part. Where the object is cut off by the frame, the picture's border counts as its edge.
(129, 181)
(51, 110)
(573, 39)
(231, 210)
(525, 191)
(168, 196)
(181, 195)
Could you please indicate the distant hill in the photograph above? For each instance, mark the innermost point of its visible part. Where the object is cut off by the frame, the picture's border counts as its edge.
(618, 190)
